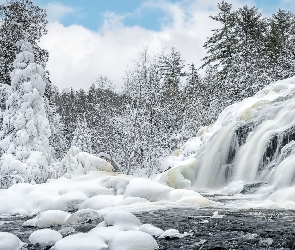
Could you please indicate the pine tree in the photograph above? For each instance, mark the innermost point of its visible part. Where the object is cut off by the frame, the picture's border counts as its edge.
(82, 136)
(20, 20)
(280, 42)
(195, 101)
(26, 131)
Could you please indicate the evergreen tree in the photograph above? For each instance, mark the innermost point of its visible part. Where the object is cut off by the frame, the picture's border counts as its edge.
(195, 101)
(26, 131)
(280, 43)
(82, 136)
(20, 20)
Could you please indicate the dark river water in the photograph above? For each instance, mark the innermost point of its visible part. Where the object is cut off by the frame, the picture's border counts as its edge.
(237, 229)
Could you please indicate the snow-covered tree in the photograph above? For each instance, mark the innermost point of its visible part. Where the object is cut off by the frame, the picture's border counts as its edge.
(20, 19)
(26, 131)
(280, 43)
(82, 136)
(4, 93)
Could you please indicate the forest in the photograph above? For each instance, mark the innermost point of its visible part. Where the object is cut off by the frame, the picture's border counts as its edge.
(164, 102)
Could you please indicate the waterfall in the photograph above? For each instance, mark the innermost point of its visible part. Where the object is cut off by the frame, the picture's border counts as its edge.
(252, 141)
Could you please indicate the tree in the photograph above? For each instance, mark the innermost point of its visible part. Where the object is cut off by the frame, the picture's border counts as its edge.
(236, 52)
(4, 93)
(223, 43)
(26, 131)
(82, 136)
(280, 42)
(20, 20)
(195, 103)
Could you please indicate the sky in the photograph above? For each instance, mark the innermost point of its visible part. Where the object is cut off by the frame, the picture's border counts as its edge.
(91, 38)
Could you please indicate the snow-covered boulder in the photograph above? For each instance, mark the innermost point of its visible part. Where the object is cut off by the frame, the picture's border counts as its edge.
(81, 241)
(50, 218)
(133, 240)
(45, 237)
(9, 241)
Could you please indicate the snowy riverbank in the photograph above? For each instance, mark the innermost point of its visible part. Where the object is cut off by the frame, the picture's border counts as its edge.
(101, 196)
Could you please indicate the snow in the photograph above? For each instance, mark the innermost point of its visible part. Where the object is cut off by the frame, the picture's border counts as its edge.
(174, 233)
(81, 241)
(51, 218)
(216, 161)
(133, 240)
(101, 201)
(122, 219)
(216, 215)
(25, 137)
(150, 229)
(9, 241)
(100, 195)
(76, 162)
(45, 237)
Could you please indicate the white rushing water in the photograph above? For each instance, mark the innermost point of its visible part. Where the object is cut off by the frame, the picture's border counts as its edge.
(252, 143)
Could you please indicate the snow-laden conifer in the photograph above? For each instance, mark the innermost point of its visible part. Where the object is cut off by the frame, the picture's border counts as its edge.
(82, 136)
(26, 130)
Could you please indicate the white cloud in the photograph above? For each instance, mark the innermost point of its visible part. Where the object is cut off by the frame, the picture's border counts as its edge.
(78, 55)
(56, 11)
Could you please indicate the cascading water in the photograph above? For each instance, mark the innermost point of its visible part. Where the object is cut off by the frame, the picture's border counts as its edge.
(252, 141)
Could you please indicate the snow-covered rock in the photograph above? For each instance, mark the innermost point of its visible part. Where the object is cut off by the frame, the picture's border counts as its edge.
(123, 219)
(133, 240)
(9, 241)
(81, 241)
(50, 218)
(45, 237)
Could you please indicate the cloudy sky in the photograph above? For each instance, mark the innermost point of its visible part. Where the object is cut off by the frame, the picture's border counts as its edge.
(88, 38)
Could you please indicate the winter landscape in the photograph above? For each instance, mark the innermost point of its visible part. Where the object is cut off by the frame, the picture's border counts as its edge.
(182, 155)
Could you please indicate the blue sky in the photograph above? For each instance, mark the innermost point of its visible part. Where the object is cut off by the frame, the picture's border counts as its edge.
(90, 13)
(89, 38)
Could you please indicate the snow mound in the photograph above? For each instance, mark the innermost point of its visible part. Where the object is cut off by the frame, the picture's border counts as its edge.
(101, 201)
(133, 240)
(77, 162)
(45, 237)
(81, 241)
(150, 229)
(122, 218)
(85, 192)
(155, 192)
(9, 241)
(51, 218)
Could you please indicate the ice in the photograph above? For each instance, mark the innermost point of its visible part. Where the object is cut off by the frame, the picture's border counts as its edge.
(216, 215)
(174, 233)
(250, 142)
(133, 240)
(9, 241)
(233, 188)
(50, 218)
(171, 233)
(150, 229)
(45, 237)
